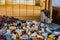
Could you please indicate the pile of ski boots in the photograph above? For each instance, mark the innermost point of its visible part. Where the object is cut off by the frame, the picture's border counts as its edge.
(15, 29)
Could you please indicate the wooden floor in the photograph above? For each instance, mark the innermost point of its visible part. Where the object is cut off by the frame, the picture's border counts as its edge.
(23, 12)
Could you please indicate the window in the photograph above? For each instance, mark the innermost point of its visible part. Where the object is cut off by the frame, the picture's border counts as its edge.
(25, 2)
(2, 2)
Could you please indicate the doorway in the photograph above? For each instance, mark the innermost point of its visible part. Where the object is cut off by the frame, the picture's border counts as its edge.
(56, 11)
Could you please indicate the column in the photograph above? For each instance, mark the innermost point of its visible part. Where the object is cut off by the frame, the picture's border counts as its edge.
(50, 8)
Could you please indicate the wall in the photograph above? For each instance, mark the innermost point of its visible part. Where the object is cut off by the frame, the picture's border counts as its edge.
(23, 12)
(56, 3)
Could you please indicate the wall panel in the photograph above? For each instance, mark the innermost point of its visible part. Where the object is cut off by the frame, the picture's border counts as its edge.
(18, 9)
